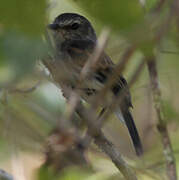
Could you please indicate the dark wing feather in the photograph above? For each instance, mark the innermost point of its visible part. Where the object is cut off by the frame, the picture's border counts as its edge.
(132, 131)
(104, 70)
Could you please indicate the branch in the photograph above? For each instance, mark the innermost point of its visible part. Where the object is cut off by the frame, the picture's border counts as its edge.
(89, 116)
(162, 126)
(94, 130)
(105, 145)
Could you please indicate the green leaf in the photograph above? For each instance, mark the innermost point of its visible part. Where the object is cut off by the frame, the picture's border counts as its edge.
(119, 14)
(24, 16)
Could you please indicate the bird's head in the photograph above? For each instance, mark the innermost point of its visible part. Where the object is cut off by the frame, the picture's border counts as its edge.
(72, 26)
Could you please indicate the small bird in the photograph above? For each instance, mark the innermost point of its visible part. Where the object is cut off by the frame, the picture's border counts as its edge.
(74, 42)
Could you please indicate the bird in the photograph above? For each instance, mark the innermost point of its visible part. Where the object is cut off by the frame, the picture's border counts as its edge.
(74, 40)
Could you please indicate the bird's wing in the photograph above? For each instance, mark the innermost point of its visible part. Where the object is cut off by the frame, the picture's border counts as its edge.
(120, 87)
(104, 69)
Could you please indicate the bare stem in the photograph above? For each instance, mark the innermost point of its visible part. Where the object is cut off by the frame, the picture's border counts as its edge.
(162, 125)
(105, 145)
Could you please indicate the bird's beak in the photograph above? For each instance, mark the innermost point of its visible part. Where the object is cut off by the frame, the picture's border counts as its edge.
(53, 26)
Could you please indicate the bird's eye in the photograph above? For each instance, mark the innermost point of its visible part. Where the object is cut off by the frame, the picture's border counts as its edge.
(75, 26)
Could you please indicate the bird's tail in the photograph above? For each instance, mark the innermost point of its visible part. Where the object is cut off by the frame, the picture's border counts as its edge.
(133, 131)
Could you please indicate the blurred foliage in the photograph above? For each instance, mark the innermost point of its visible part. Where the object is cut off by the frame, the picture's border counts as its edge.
(20, 52)
(26, 119)
(120, 15)
(24, 16)
(130, 18)
(22, 24)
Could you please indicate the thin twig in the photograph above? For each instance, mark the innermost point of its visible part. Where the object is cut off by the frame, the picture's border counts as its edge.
(162, 125)
(104, 144)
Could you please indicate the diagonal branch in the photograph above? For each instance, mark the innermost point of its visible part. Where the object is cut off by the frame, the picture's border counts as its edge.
(105, 145)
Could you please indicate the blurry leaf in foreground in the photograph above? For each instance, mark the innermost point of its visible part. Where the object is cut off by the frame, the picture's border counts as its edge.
(120, 15)
(24, 16)
(21, 125)
(20, 53)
